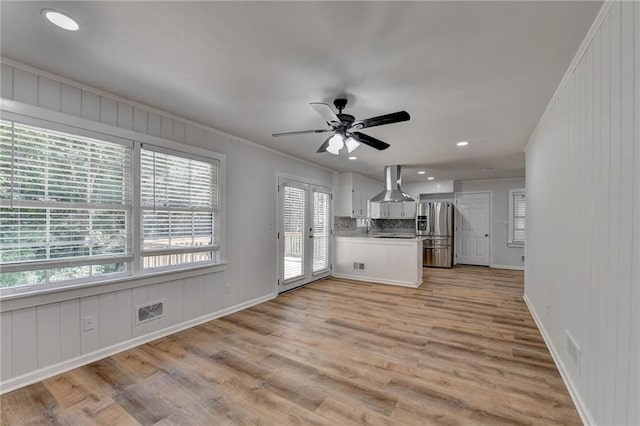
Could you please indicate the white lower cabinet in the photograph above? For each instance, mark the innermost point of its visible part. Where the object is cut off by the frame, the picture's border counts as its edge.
(394, 261)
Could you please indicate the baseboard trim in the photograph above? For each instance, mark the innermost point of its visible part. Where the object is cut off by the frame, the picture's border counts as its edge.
(581, 407)
(378, 280)
(514, 267)
(53, 370)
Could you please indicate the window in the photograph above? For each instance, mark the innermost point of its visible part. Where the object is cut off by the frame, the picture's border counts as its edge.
(517, 216)
(67, 207)
(179, 209)
(321, 230)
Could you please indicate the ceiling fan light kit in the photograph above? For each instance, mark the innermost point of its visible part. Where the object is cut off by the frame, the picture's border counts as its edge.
(335, 144)
(344, 127)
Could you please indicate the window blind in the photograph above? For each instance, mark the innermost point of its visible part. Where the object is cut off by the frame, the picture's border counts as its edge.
(321, 230)
(179, 201)
(65, 203)
(295, 200)
(519, 217)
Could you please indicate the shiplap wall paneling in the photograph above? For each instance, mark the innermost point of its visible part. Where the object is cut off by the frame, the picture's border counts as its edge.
(125, 116)
(634, 337)
(124, 315)
(154, 126)
(23, 342)
(628, 144)
(71, 100)
(108, 111)
(25, 86)
(583, 173)
(139, 120)
(48, 334)
(49, 92)
(90, 106)
(178, 131)
(153, 295)
(251, 260)
(107, 319)
(169, 313)
(166, 128)
(177, 308)
(6, 81)
(138, 297)
(6, 355)
(90, 339)
(70, 329)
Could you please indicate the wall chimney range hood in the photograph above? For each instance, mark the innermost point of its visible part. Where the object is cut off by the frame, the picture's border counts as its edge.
(393, 192)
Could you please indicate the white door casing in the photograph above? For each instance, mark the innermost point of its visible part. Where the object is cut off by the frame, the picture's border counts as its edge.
(473, 225)
(304, 233)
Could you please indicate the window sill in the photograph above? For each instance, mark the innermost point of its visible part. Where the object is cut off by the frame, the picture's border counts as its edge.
(35, 297)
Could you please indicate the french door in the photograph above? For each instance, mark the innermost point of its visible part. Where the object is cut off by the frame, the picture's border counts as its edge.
(304, 233)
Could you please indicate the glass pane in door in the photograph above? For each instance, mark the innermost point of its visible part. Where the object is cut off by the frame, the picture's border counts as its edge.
(321, 230)
(294, 205)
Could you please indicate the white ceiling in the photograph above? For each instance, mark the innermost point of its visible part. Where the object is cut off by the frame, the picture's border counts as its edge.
(476, 71)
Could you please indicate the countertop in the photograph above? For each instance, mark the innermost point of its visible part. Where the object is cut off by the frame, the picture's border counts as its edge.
(382, 237)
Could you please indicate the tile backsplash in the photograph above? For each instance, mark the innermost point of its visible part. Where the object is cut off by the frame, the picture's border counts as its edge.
(347, 226)
(395, 225)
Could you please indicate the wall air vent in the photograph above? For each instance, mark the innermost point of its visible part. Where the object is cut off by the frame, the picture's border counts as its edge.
(149, 311)
(358, 266)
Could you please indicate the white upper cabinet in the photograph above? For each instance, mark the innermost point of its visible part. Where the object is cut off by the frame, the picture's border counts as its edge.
(429, 187)
(353, 195)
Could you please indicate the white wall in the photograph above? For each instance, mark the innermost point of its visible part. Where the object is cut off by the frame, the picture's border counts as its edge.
(501, 255)
(41, 335)
(583, 224)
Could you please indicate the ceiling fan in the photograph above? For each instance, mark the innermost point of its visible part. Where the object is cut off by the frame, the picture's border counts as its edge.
(345, 128)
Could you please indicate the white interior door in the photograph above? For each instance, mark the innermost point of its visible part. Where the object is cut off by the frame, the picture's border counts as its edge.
(472, 228)
(304, 233)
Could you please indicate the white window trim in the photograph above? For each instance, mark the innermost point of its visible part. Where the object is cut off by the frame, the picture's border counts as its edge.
(32, 115)
(137, 194)
(512, 193)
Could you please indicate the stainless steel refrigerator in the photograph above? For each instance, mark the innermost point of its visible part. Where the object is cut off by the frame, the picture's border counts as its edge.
(434, 221)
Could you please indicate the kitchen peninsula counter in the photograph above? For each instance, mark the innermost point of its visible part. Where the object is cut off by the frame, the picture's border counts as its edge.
(394, 259)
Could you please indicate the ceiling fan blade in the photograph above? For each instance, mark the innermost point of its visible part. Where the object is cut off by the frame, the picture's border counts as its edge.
(327, 113)
(302, 132)
(371, 141)
(380, 120)
(323, 147)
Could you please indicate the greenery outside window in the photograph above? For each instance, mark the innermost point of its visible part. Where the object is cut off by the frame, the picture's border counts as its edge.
(65, 206)
(69, 202)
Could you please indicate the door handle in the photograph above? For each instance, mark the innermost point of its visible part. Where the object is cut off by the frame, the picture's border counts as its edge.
(310, 236)
(486, 235)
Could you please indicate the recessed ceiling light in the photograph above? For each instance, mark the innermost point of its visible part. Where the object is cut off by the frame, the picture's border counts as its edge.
(462, 143)
(353, 158)
(421, 172)
(430, 178)
(60, 19)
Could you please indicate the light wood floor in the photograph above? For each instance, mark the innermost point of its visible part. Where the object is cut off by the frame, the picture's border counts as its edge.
(462, 349)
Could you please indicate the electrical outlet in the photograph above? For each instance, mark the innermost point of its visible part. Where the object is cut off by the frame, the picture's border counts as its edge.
(548, 311)
(227, 288)
(89, 323)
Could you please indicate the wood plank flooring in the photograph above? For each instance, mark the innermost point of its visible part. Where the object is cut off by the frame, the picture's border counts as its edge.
(461, 349)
